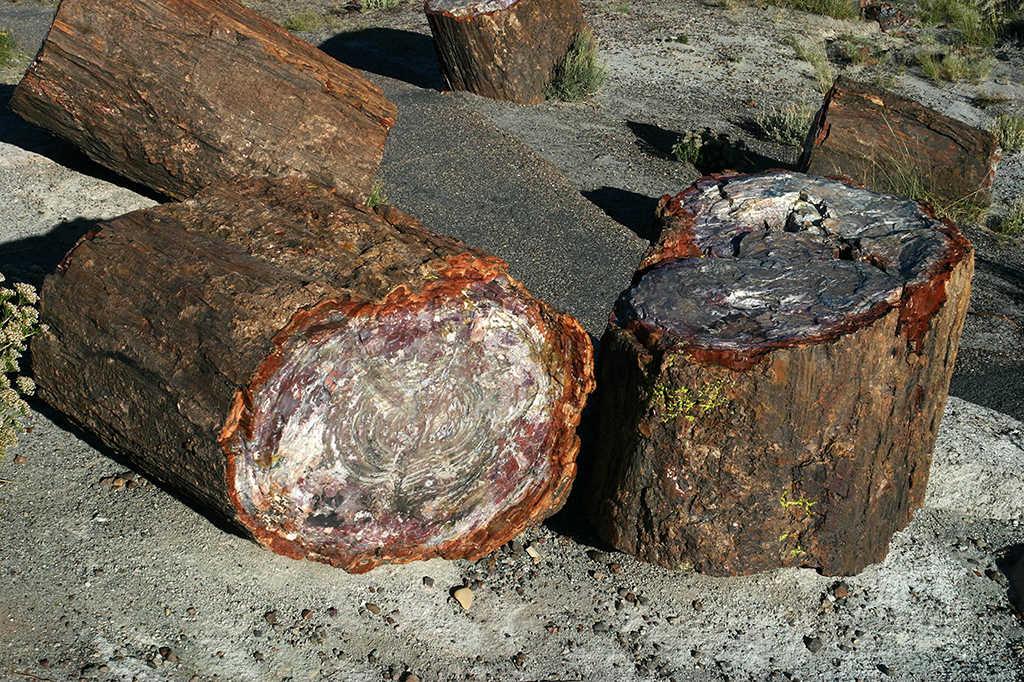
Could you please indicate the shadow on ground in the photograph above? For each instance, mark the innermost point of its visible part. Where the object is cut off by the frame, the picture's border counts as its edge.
(629, 209)
(402, 55)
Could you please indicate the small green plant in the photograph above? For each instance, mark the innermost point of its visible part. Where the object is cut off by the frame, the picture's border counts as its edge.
(854, 49)
(788, 125)
(688, 148)
(671, 403)
(371, 5)
(1012, 224)
(309, 22)
(682, 38)
(377, 196)
(961, 64)
(837, 9)
(20, 320)
(580, 75)
(1009, 130)
(985, 99)
(8, 47)
(801, 502)
(976, 22)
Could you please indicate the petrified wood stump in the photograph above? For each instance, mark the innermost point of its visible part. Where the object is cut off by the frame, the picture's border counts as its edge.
(892, 144)
(343, 385)
(503, 49)
(180, 94)
(771, 386)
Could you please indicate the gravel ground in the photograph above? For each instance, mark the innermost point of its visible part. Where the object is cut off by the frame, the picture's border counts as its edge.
(109, 577)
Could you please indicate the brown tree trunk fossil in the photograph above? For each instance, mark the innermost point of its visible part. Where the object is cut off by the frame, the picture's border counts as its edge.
(503, 49)
(770, 388)
(180, 94)
(343, 385)
(893, 144)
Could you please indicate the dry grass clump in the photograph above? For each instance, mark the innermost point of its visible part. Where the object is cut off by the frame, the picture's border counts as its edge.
(838, 9)
(787, 125)
(1012, 224)
(814, 54)
(581, 74)
(310, 22)
(1009, 130)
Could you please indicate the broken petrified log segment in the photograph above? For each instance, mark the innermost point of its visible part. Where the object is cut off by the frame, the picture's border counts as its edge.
(180, 94)
(503, 49)
(344, 386)
(770, 387)
(892, 144)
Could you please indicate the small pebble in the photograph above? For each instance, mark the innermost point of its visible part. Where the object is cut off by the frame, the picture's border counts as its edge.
(306, 614)
(599, 557)
(332, 612)
(813, 644)
(373, 608)
(600, 626)
(20, 459)
(884, 669)
(410, 677)
(190, 611)
(464, 596)
(428, 581)
(257, 655)
(270, 617)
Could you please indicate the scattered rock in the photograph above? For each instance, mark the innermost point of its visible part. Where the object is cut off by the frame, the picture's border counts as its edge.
(258, 656)
(601, 626)
(306, 614)
(428, 581)
(464, 596)
(332, 612)
(270, 617)
(599, 557)
(20, 459)
(373, 608)
(813, 644)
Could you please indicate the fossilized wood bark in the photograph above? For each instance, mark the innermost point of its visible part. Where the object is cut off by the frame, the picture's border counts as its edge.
(889, 143)
(345, 386)
(180, 94)
(770, 387)
(503, 49)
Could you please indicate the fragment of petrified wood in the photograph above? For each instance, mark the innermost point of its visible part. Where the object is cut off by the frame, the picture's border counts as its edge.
(344, 385)
(770, 387)
(180, 94)
(503, 49)
(893, 144)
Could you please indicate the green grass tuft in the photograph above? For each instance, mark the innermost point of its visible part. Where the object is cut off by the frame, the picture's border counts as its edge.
(8, 48)
(1012, 224)
(580, 75)
(1009, 130)
(788, 125)
(371, 5)
(837, 9)
(309, 22)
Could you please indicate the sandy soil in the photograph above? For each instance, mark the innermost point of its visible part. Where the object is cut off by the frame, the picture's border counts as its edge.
(107, 577)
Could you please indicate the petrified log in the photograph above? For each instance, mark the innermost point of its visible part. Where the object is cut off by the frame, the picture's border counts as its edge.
(180, 94)
(503, 49)
(343, 385)
(770, 387)
(892, 144)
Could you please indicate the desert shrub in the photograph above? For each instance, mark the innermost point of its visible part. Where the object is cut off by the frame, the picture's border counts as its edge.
(377, 195)
(1012, 223)
(814, 54)
(8, 47)
(19, 319)
(787, 125)
(308, 22)
(370, 5)
(1009, 130)
(580, 75)
(962, 64)
(838, 9)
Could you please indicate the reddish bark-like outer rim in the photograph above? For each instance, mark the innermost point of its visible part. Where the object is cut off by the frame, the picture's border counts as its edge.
(917, 305)
(572, 346)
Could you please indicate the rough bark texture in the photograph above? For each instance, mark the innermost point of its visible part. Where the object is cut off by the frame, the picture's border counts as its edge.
(772, 384)
(180, 94)
(344, 385)
(889, 143)
(503, 49)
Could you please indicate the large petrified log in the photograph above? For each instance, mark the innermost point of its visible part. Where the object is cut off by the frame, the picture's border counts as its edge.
(770, 387)
(503, 49)
(180, 94)
(893, 144)
(344, 386)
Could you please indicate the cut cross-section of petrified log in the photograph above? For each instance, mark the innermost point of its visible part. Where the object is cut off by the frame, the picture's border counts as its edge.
(180, 94)
(893, 144)
(503, 49)
(771, 385)
(344, 385)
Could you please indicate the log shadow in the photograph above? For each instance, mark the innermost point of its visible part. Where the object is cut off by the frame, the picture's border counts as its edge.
(654, 140)
(401, 55)
(29, 259)
(61, 421)
(629, 209)
(16, 131)
(713, 152)
(1011, 565)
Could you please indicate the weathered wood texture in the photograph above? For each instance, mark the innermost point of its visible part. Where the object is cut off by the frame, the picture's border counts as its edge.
(771, 386)
(503, 49)
(344, 385)
(889, 143)
(180, 94)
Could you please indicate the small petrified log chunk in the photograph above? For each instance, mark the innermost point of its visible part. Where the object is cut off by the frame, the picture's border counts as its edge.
(343, 385)
(503, 49)
(180, 94)
(892, 144)
(771, 385)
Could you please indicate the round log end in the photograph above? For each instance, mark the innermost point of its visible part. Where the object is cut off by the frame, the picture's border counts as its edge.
(463, 9)
(437, 423)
